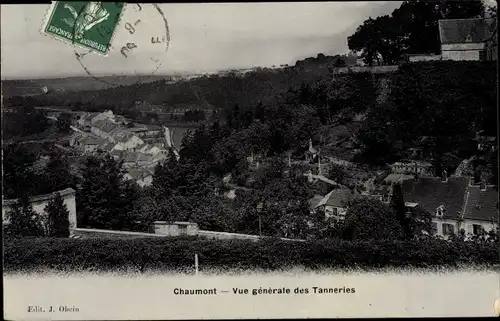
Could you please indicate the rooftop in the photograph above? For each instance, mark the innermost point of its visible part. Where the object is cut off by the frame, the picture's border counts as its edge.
(89, 140)
(430, 193)
(135, 157)
(394, 178)
(139, 173)
(465, 30)
(339, 197)
(482, 205)
(315, 200)
(105, 125)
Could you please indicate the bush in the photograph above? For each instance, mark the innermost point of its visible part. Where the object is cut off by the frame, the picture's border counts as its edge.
(177, 253)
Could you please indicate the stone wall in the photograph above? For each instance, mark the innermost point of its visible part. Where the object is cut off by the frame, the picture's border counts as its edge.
(96, 233)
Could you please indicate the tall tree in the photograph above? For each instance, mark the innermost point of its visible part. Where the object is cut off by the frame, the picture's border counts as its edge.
(63, 123)
(18, 174)
(24, 221)
(398, 205)
(104, 200)
(57, 174)
(57, 217)
(369, 219)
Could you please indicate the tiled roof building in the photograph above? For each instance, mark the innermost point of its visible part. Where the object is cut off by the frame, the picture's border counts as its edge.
(454, 204)
(468, 39)
(431, 192)
(481, 205)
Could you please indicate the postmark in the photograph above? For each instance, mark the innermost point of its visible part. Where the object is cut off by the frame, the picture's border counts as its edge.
(132, 40)
(139, 47)
(88, 25)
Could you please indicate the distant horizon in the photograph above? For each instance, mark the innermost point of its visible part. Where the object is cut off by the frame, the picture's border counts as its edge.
(177, 73)
(204, 38)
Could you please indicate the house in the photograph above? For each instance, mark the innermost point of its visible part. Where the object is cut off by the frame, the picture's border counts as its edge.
(468, 39)
(39, 203)
(480, 210)
(139, 130)
(126, 140)
(84, 121)
(335, 203)
(117, 155)
(107, 115)
(87, 143)
(143, 148)
(104, 128)
(133, 159)
(413, 167)
(454, 204)
(154, 150)
(108, 147)
(392, 179)
(142, 176)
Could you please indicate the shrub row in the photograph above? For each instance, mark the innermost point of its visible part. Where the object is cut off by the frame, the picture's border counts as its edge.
(171, 254)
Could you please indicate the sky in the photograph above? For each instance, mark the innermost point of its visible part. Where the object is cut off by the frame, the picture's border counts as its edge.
(204, 37)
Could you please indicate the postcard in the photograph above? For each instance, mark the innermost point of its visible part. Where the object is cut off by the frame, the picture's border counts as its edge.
(264, 160)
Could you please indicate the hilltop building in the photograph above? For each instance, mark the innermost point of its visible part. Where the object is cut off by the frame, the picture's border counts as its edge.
(468, 39)
(464, 39)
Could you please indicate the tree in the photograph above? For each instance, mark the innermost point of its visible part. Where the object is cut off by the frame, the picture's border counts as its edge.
(420, 221)
(24, 221)
(369, 219)
(399, 207)
(285, 209)
(57, 217)
(411, 28)
(18, 174)
(57, 174)
(337, 174)
(63, 123)
(104, 199)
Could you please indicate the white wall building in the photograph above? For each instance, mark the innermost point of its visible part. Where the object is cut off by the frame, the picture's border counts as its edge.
(39, 203)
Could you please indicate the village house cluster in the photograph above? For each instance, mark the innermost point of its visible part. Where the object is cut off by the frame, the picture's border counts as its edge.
(139, 147)
(456, 202)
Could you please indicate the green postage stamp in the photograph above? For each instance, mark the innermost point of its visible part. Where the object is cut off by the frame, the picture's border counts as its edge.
(86, 24)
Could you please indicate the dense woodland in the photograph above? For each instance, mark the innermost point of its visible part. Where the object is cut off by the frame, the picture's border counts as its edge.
(450, 101)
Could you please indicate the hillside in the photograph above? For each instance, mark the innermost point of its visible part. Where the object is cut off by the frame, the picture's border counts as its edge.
(34, 86)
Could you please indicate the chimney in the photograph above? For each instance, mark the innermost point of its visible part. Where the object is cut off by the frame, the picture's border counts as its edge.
(444, 176)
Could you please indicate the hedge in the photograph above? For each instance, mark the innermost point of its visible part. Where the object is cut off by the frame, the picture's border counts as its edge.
(177, 254)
